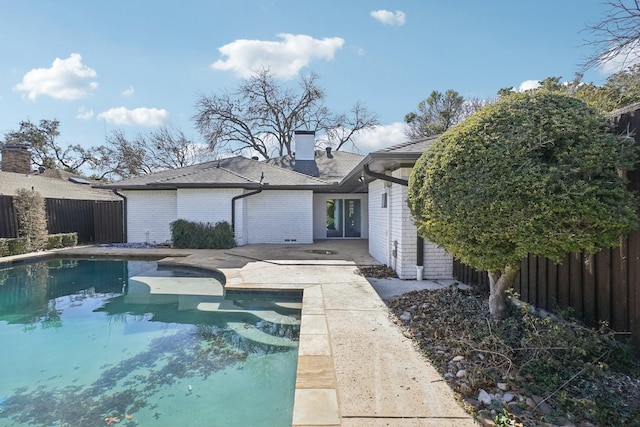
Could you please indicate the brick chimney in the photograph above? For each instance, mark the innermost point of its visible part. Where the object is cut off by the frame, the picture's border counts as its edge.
(305, 154)
(16, 158)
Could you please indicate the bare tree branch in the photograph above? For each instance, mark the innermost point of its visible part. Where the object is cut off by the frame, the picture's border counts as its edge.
(262, 115)
(617, 35)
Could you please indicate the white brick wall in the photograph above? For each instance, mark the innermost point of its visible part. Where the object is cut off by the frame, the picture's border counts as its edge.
(378, 222)
(206, 205)
(278, 216)
(400, 228)
(149, 213)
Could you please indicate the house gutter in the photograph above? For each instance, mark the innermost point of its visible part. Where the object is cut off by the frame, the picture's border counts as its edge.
(124, 214)
(419, 240)
(233, 207)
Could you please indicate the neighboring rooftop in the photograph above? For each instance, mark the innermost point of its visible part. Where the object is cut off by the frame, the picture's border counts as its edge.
(52, 188)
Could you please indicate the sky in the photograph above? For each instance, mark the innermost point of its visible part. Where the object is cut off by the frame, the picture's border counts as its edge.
(135, 66)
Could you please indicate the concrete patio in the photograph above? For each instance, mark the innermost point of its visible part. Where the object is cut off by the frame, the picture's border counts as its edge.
(355, 367)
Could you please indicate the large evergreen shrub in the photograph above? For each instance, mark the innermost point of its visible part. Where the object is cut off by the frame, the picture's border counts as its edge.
(32, 218)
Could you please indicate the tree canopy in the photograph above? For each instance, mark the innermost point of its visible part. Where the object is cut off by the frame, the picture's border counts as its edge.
(46, 151)
(262, 115)
(533, 173)
(439, 112)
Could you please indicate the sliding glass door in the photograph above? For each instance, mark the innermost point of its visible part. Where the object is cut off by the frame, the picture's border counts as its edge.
(344, 218)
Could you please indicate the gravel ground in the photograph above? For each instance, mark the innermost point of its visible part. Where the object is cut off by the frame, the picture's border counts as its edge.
(525, 370)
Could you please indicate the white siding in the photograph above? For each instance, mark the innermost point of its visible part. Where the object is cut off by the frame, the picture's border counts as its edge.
(280, 216)
(378, 222)
(149, 213)
(320, 213)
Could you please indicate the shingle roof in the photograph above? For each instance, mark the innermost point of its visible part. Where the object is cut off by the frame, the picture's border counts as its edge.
(51, 188)
(228, 172)
(415, 146)
(331, 168)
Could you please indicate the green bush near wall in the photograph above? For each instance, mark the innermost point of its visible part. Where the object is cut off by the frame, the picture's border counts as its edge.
(62, 240)
(19, 246)
(10, 247)
(199, 235)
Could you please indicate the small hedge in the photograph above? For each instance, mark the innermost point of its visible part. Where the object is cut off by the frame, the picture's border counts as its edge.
(10, 247)
(62, 240)
(199, 235)
(19, 246)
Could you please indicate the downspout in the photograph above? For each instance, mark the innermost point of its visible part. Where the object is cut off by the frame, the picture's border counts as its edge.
(124, 214)
(419, 240)
(233, 207)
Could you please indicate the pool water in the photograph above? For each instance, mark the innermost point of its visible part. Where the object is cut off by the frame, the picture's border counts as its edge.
(128, 343)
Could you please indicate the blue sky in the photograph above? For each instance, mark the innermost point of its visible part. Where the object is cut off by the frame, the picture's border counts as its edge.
(135, 65)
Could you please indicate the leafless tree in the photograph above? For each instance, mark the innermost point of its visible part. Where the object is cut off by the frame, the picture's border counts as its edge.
(348, 125)
(262, 115)
(122, 157)
(617, 35)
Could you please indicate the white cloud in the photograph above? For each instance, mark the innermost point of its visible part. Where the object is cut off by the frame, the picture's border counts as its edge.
(528, 85)
(623, 60)
(283, 58)
(380, 137)
(150, 117)
(128, 92)
(389, 18)
(66, 79)
(84, 114)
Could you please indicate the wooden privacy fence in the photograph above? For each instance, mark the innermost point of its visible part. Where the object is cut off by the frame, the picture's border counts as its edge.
(94, 221)
(598, 288)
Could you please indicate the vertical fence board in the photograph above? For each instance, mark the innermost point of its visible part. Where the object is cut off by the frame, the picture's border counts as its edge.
(619, 292)
(8, 224)
(563, 283)
(589, 280)
(541, 283)
(552, 286)
(575, 284)
(603, 285)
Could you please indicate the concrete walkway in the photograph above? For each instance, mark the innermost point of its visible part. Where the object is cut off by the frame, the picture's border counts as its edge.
(355, 367)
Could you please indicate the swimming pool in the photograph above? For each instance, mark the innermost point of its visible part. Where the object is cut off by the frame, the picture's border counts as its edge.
(131, 343)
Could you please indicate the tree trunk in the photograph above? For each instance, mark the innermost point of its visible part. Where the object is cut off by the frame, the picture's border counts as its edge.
(498, 285)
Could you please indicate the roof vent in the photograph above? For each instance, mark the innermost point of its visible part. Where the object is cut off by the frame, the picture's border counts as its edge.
(254, 158)
(329, 154)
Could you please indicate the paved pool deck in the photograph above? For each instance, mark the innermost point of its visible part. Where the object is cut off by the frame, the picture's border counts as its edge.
(355, 367)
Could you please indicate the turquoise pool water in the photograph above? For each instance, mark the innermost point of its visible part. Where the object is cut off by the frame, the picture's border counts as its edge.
(126, 343)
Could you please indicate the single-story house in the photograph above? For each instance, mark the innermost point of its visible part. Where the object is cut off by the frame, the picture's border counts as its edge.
(311, 195)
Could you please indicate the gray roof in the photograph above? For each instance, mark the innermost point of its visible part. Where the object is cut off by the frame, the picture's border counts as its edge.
(391, 158)
(331, 168)
(51, 188)
(232, 172)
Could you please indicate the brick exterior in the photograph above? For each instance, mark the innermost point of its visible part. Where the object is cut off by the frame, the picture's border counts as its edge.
(379, 222)
(149, 213)
(280, 216)
(16, 158)
(393, 239)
